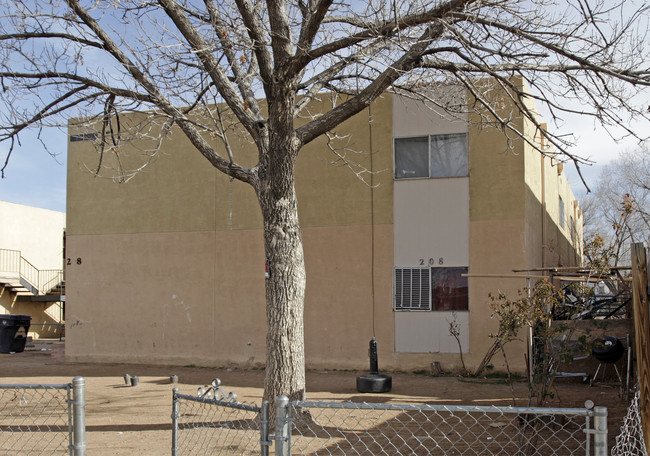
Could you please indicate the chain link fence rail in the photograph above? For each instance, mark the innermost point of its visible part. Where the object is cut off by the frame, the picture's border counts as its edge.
(43, 419)
(214, 423)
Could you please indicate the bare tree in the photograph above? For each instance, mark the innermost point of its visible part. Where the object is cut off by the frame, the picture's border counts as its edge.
(251, 67)
(617, 212)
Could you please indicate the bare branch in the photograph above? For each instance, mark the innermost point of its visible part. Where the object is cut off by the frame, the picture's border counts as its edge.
(50, 35)
(210, 64)
(258, 39)
(160, 101)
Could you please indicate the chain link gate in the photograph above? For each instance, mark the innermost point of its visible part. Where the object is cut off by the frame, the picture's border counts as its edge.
(216, 422)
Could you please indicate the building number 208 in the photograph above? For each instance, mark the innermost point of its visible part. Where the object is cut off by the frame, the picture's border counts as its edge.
(431, 261)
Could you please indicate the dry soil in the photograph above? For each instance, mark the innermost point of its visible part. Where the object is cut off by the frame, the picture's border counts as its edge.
(136, 420)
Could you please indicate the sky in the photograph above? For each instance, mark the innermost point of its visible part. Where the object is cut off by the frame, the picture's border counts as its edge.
(33, 176)
(593, 142)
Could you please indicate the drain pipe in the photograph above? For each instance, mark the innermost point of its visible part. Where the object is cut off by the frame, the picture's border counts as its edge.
(543, 215)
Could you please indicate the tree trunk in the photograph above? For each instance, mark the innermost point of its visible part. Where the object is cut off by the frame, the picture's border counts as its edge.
(285, 286)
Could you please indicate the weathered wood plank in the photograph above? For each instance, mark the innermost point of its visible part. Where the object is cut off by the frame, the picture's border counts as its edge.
(642, 331)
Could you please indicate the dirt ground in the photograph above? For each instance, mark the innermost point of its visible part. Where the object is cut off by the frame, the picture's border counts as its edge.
(136, 420)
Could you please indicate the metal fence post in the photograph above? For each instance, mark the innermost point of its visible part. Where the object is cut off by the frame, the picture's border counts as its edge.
(79, 416)
(600, 428)
(174, 421)
(282, 431)
(264, 429)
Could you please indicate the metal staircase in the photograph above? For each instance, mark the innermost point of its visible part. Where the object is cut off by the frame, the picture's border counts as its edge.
(20, 277)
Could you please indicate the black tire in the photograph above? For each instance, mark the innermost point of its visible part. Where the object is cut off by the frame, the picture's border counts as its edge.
(607, 349)
(374, 383)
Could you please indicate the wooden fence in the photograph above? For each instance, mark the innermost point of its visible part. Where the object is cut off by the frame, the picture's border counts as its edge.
(642, 332)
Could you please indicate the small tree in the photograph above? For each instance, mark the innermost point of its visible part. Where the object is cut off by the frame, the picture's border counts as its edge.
(552, 343)
(249, 68)
(511, 316)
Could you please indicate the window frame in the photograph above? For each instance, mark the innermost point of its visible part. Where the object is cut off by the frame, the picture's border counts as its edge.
(430, 141)
(452, 295)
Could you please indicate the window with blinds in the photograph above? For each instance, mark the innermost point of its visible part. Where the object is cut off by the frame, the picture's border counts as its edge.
(431, 156)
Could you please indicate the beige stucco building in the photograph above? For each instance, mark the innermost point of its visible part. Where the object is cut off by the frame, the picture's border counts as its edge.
(31, 266)
(169, 267)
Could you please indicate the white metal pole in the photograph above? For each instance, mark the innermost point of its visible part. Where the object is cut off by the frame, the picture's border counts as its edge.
(600, 428)
(79, 416)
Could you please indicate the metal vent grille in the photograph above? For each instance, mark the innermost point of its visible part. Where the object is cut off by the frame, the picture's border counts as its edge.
(412, 289)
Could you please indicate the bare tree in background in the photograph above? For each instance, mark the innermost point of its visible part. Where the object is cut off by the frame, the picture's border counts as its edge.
(213, 69)
(617, 212)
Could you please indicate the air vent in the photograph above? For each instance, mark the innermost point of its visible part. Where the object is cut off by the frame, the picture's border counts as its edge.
(412, 289)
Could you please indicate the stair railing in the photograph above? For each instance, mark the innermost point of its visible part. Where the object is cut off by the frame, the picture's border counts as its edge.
(49, 279)
(10, 260)
(30, 277)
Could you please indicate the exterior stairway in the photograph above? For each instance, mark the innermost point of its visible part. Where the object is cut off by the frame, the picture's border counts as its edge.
(28, 283)
(58, 289)
(16, 286)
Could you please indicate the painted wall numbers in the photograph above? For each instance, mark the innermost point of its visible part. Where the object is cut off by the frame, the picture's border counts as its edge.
(69, 261)
(432, 261)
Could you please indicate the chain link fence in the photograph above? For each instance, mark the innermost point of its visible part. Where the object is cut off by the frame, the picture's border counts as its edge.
(390, 429)
(213, 423)
(630, 440)
(43, 419)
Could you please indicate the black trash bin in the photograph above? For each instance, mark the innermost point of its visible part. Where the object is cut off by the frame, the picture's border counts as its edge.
(13, 333)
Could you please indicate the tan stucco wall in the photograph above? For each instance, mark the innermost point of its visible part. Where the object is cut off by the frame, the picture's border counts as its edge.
(172, 264)
(176, 192)
(7, 300)
(497, 247)
(172, 261)
(46, 316)
(180, 191)
(550, 244)
(154, 297)
(187, 316)
(329, 193)
(341, 311)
